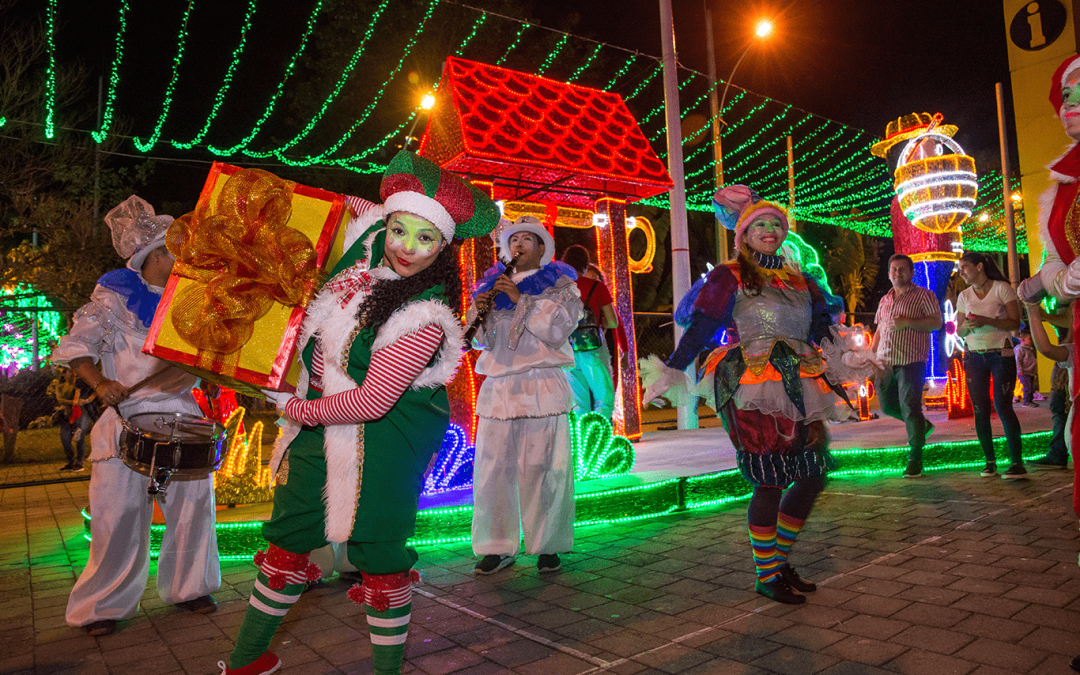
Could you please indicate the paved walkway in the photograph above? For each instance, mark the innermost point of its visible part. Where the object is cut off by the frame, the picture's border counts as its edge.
(951, 573)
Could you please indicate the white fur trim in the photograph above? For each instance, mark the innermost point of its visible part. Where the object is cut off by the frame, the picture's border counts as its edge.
(1068, 70)
(332, 325)
(341, 441)
(1046, 204)
(1046, 199)
(411, 319)
(421, 205)
(360, 224)
(1060, 177)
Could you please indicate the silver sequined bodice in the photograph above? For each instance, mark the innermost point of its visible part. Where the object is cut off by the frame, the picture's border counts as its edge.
(782, 313)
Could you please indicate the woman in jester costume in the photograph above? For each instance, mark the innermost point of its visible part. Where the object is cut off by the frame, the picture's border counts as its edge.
(768, 380)
(380, 341)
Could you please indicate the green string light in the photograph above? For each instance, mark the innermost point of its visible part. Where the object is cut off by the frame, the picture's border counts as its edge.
(378, 96)
(554, 54)
(621, 72)
(114, 78)
(515, 43)
(337, 88)
(226, 84)
(145, 146)
(224, 152)
(476, 26)
(644, 83)
(588, 62)
(50, 78)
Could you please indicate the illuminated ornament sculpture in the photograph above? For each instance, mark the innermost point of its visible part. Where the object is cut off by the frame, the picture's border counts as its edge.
(937, 192)
(934, 253)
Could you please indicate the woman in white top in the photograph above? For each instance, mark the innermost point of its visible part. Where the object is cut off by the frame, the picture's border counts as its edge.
(988, 312)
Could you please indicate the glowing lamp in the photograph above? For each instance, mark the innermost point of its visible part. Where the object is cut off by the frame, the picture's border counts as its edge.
(938, 192)
(954, 344)
(764, 28)
(642, 265)
(428, 102)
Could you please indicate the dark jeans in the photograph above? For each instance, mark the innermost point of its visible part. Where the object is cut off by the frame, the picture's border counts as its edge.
(899, 392)
(979, 367)
(1029, 387)
(1059, 408)
(67, 430)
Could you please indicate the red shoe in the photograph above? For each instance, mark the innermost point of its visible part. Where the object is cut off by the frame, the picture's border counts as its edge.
(265, 664)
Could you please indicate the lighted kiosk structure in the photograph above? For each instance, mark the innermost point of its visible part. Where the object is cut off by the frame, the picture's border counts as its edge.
(573, 156)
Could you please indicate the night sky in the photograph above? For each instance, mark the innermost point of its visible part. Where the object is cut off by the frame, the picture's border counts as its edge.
(860, 62)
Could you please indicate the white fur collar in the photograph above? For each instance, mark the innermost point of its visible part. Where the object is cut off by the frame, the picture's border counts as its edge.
(1046, 201)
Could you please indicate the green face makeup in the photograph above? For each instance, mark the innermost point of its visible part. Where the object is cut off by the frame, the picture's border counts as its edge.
(767, 225)
(413, 234)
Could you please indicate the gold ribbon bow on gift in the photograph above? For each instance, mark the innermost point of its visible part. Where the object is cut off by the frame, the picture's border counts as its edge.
(244, 259)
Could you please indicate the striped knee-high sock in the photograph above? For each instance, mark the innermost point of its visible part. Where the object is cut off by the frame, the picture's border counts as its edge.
(787, 529)
(388, 600)
(282, 578)
(763, 543)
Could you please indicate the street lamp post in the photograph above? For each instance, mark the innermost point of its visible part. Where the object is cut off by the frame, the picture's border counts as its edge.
(763, 30)
(426, 103)
(680, 247)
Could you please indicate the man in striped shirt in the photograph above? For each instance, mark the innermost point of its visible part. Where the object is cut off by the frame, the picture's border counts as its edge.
(905, 318)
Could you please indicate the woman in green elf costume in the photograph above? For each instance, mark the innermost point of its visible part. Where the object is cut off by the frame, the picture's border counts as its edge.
(380, 342)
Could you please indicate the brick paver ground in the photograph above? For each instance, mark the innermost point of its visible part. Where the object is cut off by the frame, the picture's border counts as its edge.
(951, 573)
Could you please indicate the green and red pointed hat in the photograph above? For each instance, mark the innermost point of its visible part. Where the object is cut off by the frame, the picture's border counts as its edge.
(418, 186)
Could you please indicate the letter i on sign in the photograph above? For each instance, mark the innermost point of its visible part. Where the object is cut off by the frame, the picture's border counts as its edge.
(1035, 22)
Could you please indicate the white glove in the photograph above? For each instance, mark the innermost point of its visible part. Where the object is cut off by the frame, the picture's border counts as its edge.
(660, 380)
(1031, 290)
(1071, 283)
(279, 398)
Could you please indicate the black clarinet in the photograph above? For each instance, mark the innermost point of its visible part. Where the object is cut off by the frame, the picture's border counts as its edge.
(482, 312)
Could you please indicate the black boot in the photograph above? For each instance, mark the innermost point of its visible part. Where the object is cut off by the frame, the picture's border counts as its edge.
(788, 574)
(778, 590)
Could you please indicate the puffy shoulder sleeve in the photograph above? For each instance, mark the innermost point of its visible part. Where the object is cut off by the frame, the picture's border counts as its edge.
(95, 325)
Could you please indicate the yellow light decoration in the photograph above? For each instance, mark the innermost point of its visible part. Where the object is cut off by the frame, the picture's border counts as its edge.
(642, 265)
(242, 479)
(935, 256)
(550, 214)
(936, 193)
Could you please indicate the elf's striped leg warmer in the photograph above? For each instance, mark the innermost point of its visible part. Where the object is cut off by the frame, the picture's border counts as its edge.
(787, 529)
(763, 543)
(282, 577)
(388, 600)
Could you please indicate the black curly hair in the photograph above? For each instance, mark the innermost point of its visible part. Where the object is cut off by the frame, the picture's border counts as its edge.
(389, 296)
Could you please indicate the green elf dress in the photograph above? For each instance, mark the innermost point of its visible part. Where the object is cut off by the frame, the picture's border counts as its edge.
(358, 483)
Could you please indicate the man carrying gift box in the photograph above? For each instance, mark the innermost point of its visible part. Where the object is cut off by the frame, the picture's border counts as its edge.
(379, 343)
(110, 329)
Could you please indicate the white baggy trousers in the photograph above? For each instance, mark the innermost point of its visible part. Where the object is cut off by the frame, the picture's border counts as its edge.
(115, 575)
(523, 479)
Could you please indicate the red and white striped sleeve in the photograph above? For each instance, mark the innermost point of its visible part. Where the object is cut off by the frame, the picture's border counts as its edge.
(393, 368)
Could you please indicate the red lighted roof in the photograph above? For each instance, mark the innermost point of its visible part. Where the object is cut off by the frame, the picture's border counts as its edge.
(538, 139)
